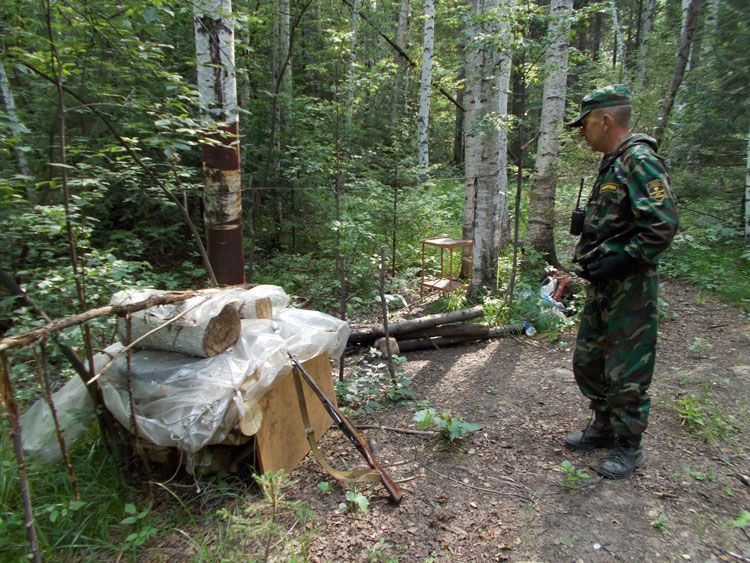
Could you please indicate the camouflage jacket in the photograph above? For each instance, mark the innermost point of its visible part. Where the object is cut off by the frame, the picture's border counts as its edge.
(632, 208)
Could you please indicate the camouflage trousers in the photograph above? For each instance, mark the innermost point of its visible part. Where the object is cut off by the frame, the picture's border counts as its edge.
(616, 349)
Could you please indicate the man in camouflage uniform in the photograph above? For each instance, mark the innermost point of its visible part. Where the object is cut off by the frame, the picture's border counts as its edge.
(630, 219)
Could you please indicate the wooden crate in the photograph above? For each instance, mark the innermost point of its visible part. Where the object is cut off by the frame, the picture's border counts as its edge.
(281, 442)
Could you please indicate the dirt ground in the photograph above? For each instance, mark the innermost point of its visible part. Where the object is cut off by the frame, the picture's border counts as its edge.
(500, 495)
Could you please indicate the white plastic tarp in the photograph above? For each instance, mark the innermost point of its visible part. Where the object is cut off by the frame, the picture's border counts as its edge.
(189, 402)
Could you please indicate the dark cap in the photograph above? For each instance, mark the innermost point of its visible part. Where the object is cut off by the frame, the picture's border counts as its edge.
(607, 97)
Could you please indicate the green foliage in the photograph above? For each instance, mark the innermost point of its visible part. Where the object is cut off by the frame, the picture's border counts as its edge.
(743, 520)
(452, 427)
(355, 502)
(660, 523)
(270, 528)
(103, 524)
(700, 347)
(325, 487)
(572, 476)
(370, 383)
(717, 266)
(702, 417)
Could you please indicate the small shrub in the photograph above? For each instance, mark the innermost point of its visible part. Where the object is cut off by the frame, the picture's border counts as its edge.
(572, 476)
(355, 502)
(451, 427)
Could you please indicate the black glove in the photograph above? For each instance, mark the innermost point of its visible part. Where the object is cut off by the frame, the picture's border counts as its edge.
(611, 267)
(583, 273)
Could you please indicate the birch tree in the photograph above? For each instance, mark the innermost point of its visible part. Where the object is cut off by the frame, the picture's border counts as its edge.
(540, 230)
(648, 26)
(486, 103)
(352, 62)
(683, 52)
(426, 84)
(217, 86)
(619, 44)
(710, 25)
(402, 65)
(747, 192)
(16, 127)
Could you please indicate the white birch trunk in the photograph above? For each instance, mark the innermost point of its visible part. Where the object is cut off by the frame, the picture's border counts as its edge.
(423, 120)
(7, 104)
(503, 90)
(217, 87)
(619, 43)
(402, 34)
(685, 8)
(540, 230)
(710, 25)
(284, 40)
(648, 26)
(747, 192)
(486, 101)
(352, 62)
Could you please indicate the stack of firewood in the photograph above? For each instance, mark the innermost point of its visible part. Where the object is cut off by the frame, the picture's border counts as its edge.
(435, 331)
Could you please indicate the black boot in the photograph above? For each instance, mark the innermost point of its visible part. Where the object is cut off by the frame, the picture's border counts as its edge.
(597, 434)
(623, 460)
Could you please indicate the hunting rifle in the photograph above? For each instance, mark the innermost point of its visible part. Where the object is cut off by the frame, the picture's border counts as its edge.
(350, 432)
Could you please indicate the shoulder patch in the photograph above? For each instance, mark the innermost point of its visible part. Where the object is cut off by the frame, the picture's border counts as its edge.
(656, 190)
(609, 187)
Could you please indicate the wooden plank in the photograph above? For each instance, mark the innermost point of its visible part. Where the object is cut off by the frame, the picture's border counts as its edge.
(281, 441)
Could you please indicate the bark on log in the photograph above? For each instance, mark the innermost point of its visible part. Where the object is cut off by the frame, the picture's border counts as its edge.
(444, 341)
(205, 339)
(456, 329)
(366, 336)
(28, 338)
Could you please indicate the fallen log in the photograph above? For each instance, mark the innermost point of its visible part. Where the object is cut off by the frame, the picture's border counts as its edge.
(366, 336)
(455, 329)
(437, 342)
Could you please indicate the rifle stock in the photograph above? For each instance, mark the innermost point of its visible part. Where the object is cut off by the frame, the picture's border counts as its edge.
(350, 432)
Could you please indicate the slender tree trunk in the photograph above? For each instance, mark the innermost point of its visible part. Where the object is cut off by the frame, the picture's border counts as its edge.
(540, 234)
(648, 25)
(423, 120)
(683, 52)
(7, 104)
(597, 43)
(214, 46)
(619, 44)
(7, 395)
(352, 63)
(488, 78)
(402, 66)
(685, 9)
(458, 128)
(747, 192)
(710, 25)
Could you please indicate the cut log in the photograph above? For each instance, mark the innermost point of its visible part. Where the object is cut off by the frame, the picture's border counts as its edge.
(205, 339)
(436, 342)
(455, 329)
(367, 336)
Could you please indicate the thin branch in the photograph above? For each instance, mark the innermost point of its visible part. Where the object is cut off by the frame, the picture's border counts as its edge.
(394, 429)
(9, 400)
(43, 369)
(30, 337)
